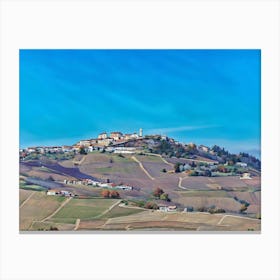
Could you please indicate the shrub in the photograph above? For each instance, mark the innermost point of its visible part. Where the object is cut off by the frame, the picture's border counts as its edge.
(201, 209)
(151, 205)
(164, 196)
(114, 194)
(158, 192)
(243, 208)
(105, 193)
(163, 170)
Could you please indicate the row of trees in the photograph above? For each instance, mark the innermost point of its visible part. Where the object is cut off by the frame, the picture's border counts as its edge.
(110, 194)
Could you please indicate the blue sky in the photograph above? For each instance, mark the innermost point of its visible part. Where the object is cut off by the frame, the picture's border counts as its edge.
(202, 96)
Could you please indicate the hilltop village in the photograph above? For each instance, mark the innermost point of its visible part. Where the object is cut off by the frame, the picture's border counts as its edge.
(136, 143)
(139, 173)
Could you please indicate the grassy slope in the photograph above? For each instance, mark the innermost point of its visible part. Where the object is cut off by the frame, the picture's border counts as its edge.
(82, 209)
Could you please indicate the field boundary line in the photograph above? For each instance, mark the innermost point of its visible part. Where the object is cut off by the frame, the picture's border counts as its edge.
(143, 168)
(107, 210)
(131, 207)
(77, 224)
(59, 208)
(180, 182)
(26, 200)
(246, 218)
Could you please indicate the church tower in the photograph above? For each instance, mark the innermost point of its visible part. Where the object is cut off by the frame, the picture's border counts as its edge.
(140, 132)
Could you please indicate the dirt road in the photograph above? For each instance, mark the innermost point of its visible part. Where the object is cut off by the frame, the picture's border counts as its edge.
(59, 208)
(142, 167)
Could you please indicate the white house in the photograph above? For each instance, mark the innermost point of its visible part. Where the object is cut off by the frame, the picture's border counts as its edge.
(84, 143)
(246, 176)
(241, 164)
(52, 192)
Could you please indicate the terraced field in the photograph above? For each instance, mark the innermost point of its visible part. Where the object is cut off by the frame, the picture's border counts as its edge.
(155, 220)
(38, 207)
(82, 209)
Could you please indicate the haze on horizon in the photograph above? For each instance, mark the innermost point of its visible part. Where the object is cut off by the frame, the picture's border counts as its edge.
(202, 96)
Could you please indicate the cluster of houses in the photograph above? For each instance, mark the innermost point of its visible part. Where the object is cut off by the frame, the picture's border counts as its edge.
(90, 182)
(106, 139)
(103, 141)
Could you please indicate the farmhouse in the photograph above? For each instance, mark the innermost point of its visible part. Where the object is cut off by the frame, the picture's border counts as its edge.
(241, 164)
(246, 176)
(165, 208)
(53, 192)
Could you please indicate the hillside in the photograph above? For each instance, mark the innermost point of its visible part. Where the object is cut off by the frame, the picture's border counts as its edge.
(168, 147)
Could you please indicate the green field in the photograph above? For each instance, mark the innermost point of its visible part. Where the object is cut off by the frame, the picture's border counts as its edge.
(121, 211)
(82, 209)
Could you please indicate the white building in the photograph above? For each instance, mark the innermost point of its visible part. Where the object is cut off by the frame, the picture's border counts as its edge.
(246, 176)
(241, 164)
(84, 143)
(103, 135)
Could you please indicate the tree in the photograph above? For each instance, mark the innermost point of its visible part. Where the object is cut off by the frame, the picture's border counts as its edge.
(243, 208)
(157, 192)
(53, 228)
(164, 196)
(105, 193)
(151, 205)
(177, 167)
(51, 178)
(114, 194)
(207, 173)
(82, 151)
(193, 164)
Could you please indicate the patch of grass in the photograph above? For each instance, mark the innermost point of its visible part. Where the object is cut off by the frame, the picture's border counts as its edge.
(82, 209)
(121, 211)
(117, 158)
(25, 186)
(148, 158)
